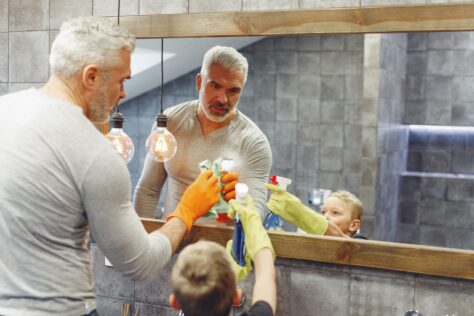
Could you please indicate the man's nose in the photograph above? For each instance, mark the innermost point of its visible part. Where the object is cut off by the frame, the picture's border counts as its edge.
(123, 94)
(223, 98)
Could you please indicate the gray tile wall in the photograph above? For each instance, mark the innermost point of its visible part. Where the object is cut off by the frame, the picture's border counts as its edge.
(391, 134)
(436, 206)
(3, 15)
(110, 7)
(305, 93)
(383, 135)
(440, 79)
(304, 288)
(437, 210)
(61, 10)
(3, 57)
(368, 162)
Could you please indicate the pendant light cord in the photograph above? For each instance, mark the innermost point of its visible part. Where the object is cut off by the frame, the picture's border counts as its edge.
(162, 66)
(162, 77)
(118, 23)
(118, 13)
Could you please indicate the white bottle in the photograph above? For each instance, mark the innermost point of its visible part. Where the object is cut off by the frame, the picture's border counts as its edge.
(241, 192)
(227, 165)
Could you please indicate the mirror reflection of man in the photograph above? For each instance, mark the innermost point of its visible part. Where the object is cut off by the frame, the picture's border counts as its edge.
(61, 178)
(209, 128)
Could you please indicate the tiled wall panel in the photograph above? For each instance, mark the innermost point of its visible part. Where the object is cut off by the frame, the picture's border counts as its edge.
(306, 288)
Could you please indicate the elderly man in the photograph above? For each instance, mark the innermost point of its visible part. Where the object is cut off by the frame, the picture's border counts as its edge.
(61, 178)
(207, 129)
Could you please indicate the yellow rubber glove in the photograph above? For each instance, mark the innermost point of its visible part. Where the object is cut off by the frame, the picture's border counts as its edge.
(242, 272)
(256, 236)
(230, 180)
(198, 199)
(290, 208)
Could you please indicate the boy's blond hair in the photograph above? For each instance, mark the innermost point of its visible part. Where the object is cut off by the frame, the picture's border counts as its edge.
(203, 280)
(357, 209)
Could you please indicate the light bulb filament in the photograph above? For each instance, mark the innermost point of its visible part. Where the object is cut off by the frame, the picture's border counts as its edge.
(121, 143)
(161, 146)
(118, 146)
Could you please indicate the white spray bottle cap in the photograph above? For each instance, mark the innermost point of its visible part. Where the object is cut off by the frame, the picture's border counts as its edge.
(241, 192)
(227, 165)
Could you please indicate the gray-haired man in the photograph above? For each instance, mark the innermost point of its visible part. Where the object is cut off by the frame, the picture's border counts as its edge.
(209, 128)
(61, 178)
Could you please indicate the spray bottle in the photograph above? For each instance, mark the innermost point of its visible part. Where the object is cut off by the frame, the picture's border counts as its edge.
(273, 221)
(238, 243)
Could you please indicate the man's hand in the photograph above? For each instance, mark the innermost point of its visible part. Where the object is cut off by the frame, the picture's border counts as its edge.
(229, 180)
(256, 236)
(198, 199)
(290, 208)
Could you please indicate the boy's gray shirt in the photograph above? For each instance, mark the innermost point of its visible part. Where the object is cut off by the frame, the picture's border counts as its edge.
(59, 178)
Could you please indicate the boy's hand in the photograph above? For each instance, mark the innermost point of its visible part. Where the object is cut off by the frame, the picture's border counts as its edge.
(290, 208)
(242, 272)
(229, 180)
(256, 236)
(198, 199)
(280, 200)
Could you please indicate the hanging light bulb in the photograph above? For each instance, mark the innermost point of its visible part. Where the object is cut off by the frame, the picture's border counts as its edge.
(161, 144)
(122, 143)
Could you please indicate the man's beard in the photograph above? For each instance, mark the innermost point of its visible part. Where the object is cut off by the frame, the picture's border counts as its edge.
(213, 116)
(98, 107)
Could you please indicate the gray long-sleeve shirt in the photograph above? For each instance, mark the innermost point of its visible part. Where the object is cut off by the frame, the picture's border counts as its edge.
(240, 140)
(60, 178)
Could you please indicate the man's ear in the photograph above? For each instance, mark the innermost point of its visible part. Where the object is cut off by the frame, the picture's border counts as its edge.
(173, 302)
(89, 77)
(354, 225)
(198, 82)
(236, 297)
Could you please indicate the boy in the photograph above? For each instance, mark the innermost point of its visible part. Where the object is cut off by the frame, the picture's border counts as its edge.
(203, 279)
(340, 215)
(345, 210)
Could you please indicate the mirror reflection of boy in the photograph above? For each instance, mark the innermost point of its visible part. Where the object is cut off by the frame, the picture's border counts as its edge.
(204, 278)
(341, 213)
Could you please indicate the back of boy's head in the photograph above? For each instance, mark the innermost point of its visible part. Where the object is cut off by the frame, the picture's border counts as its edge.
(203, 280)
(357, 209)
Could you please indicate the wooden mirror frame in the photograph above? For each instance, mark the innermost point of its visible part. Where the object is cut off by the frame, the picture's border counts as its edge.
(429, 260)
(407, 18)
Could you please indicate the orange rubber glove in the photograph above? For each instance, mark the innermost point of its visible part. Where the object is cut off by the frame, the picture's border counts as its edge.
(198, 199)
(230, 180)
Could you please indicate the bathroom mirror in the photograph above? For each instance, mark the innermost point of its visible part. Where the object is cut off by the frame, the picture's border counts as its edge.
(386, 116)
